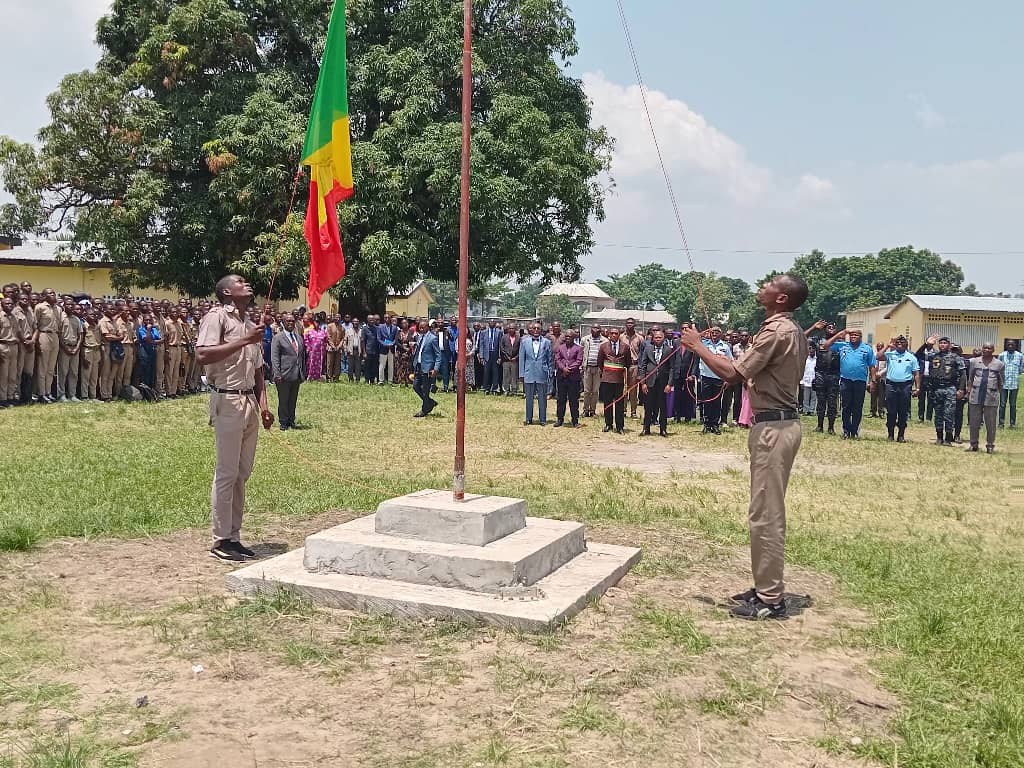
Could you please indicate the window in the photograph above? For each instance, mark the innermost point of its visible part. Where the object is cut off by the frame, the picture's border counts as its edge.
(967, 335)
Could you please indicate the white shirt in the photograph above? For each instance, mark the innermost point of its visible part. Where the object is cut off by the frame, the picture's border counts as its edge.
(809, 365)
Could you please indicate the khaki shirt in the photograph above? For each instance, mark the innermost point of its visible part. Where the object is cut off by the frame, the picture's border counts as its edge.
(7, 332)
(107, 327)
(93, 336)
(47, 317)
(70, 330)
(238, 371)
(127, 330)
(171, 332)
(774, 364)
(26, 322)
(186, 331)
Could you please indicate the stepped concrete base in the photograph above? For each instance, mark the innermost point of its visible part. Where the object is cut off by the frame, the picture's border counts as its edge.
(521, 558)
(436, 516)
(551, 600)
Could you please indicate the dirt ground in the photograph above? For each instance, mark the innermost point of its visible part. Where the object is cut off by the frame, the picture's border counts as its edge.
(651, 676)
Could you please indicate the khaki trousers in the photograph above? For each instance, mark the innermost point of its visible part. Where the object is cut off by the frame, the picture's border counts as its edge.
(172, 371)
(46, 364)
(124, 376)
(976, 414)
(591, 388)
(10, 371)
(773, 447)
(67, 373)
(161, 372)
(110, 373)
(236, 424)
(631, 398)
(90, 380)
(386, 365)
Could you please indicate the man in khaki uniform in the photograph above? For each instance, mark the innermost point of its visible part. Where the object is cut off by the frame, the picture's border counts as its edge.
(172, 354)
(126, 327)
(230, 347)
(27, 330)
(772, 366)
(635, 342)
(68, 359)
(48, 320)
(92, 350)
(160, 345)
(9, 343)
(110, 369)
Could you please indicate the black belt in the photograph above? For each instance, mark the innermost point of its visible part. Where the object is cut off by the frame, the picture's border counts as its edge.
(220, 391)
(764, 416)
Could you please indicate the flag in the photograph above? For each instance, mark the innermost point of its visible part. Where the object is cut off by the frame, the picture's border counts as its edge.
(328, 153)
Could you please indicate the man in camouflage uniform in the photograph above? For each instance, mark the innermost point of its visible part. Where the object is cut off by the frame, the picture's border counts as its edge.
(948, 376)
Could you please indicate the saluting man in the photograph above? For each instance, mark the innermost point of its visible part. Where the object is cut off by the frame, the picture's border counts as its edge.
(772, 366)
(230, 346)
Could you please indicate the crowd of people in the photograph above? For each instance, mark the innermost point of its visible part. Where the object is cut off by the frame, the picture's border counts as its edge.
(72, 348)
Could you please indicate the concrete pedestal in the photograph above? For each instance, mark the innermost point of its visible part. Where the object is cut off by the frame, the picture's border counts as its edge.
(424, 555)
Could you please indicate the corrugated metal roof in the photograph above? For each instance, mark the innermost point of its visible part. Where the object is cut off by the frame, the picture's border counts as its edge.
(575, 291)
(49, 251)
(968, 303)
(640, 315)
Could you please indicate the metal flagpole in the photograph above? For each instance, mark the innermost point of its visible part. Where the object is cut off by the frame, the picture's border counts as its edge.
(459, 483)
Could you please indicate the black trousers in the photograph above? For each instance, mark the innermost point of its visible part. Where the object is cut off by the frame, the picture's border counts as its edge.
(852, 392)
(655, 408)
(613, 393)
(925, 403)
(897, 404)
(371, 368)
(355, 367)
(684, 405)
(828, 398)
(147, 366)
(287, 397)
(727, 395)
(958, 418)
(568, 391)
(422, 384)
(492, 373)
(712, 393)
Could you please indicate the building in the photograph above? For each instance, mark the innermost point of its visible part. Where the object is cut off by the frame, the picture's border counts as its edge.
(413, 301)
(585, 297)
(7, 242)
(47, 264)
(869, 319)
(617, 318)
(969, 321)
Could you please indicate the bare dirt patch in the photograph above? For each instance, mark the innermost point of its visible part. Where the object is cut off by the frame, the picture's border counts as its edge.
(653, 455)
(651, 676)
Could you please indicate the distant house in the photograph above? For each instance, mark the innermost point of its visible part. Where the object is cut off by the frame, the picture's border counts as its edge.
(413, 301)
(50, 264)
(617, 318)
(585, 297)
(868, 319)
(969, 321)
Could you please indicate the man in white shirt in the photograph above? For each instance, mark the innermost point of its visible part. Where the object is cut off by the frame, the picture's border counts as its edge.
(808, 397)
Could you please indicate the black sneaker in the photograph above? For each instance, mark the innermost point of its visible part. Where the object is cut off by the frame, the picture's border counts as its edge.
(744, 597)
(243, 550)
(758, 610)
(224, 550)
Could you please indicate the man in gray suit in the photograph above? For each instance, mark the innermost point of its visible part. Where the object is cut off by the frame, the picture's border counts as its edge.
(535, 364)
(288, 362)
(426, 359)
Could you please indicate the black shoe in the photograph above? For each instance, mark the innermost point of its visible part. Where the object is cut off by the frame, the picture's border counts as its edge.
(989, 449)
(284, 427)
(224, 550)
(831, 430)
(644, 432)
(663, 433)
(243, 550)
(820, 430)
(527, 423)
(744, 597)
(973, 448)
(607, 429)
(557, 424)
(619, 431)
(758, 610)
(419, 415)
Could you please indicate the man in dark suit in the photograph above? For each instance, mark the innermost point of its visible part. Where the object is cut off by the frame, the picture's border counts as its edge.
(658, 368)
(426, 359)
(487, 350)
(288, 362)
(509, 351)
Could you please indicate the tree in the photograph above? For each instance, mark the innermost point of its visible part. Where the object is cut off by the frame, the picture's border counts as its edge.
(560, 308)
(646, 287)
(522, 302)
(853, 282)
(177, 152)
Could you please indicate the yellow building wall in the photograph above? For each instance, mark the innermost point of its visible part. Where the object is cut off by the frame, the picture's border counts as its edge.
(417, 304)
(908, 320)
(911, 321)
(72, 278)
(871, 322)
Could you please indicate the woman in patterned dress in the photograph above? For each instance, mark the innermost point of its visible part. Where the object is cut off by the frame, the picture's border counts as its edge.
(316, 348)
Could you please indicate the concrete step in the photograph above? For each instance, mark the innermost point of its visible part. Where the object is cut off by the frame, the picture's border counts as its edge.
(521, 558)
(435, 516)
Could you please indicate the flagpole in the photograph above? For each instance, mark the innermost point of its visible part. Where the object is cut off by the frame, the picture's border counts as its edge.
(459, 482)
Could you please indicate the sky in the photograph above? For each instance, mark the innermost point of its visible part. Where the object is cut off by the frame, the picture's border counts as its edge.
(848, 127)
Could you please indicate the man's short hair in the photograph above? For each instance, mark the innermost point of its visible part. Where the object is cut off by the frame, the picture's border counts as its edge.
(222, 284)
(795, 289)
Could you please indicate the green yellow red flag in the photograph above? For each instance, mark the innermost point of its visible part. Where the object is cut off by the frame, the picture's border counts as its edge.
(328, 153)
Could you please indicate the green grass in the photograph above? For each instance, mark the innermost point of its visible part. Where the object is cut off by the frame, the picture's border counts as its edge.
(925, 539)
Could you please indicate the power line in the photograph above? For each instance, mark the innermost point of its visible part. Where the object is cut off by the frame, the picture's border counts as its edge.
(827, 252)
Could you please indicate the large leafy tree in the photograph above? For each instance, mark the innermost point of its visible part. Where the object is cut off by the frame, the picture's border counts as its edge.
(177, 152)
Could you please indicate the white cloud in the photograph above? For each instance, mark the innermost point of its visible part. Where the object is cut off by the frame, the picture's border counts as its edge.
(929, 118)
(813, 188)
(688, 143)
